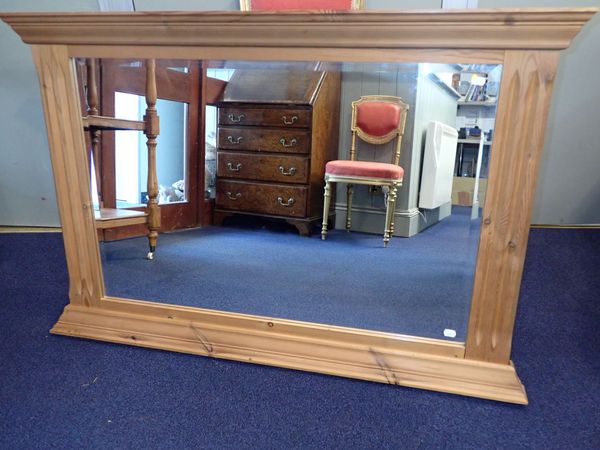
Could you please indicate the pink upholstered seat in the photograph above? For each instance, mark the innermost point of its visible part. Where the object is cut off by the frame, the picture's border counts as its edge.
(364, 169)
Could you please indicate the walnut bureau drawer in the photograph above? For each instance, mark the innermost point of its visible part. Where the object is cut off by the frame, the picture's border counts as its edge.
(265, 117)
(267, 198)
(276, 130)
(264, 139)
(263, 167)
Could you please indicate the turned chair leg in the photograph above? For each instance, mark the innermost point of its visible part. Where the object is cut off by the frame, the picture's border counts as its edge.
(389, 215)
(349, 195)
(153, 225)
(152, 238)
(326, 201)
(393, 212)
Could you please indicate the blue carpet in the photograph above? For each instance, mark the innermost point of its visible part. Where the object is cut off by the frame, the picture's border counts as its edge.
(418, 286)
(59, 392)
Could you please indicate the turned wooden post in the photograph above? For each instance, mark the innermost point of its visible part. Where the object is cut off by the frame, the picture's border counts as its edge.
(92, 110)
(152, 130)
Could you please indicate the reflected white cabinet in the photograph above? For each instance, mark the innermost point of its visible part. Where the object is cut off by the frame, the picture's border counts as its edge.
(438, 165)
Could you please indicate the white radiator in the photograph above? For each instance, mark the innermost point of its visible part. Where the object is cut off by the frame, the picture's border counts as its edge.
(438, 165)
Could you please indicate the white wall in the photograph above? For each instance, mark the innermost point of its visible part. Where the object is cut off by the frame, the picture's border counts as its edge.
(568, 188)
(186, 5)
(402, 4)
(27, 195)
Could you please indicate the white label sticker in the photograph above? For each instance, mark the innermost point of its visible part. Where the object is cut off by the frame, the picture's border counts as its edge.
(449, 333)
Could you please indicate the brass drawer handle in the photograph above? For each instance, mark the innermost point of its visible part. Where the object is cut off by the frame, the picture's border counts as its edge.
(292, 121)
(237, 168)
(287, 204)
(289, 173)
(283, 142)
(237, 196)
(234, 119)
(238, 140)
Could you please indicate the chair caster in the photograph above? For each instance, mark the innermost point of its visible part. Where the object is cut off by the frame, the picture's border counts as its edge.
(386, 241)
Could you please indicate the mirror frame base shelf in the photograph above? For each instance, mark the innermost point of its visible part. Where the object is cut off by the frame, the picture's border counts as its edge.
(386, 358)
(527, 42)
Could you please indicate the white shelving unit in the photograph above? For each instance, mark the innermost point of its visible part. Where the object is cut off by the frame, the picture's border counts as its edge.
(490, 103)
(473, 153)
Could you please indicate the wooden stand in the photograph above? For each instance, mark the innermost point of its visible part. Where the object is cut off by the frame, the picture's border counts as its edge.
(95, 124)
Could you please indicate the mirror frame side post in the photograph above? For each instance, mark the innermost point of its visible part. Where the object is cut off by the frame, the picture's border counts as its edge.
(524, 103)
(64, 126)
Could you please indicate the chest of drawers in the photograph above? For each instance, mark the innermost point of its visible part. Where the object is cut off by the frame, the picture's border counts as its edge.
(276, 131)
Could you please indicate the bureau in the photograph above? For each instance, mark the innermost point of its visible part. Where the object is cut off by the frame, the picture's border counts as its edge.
(276, 131)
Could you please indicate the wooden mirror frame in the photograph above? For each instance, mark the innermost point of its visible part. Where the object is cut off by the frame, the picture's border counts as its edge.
(525, 41)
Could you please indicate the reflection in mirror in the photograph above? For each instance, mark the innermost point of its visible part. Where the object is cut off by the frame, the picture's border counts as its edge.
(271, 132)
(131, 155)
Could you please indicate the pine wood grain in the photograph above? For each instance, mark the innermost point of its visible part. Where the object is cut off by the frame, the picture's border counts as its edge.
(62, 112)
(548, 28)
(525, 93)
(330, 350)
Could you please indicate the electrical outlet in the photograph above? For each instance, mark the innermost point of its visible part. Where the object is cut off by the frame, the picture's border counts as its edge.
(375, 190)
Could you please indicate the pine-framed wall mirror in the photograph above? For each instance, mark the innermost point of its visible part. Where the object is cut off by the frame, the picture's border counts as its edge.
(435, 309)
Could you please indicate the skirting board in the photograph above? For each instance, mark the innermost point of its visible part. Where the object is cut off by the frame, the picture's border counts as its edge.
(407, 223)
(269, 346)
(32, 229)
(568, 227)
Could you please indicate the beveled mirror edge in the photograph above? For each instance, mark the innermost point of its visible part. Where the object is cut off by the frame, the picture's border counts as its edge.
(92, 315)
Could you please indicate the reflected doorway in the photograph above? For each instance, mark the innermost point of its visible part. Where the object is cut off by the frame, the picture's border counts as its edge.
(123, 164)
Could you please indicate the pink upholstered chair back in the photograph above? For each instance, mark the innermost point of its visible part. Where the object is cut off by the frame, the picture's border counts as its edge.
(378, 119)
(287, 5)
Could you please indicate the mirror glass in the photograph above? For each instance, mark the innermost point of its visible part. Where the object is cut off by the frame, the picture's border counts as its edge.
(266, 132)
(131, 154)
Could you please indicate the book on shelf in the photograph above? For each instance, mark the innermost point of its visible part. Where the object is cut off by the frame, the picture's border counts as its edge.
(476, 91)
